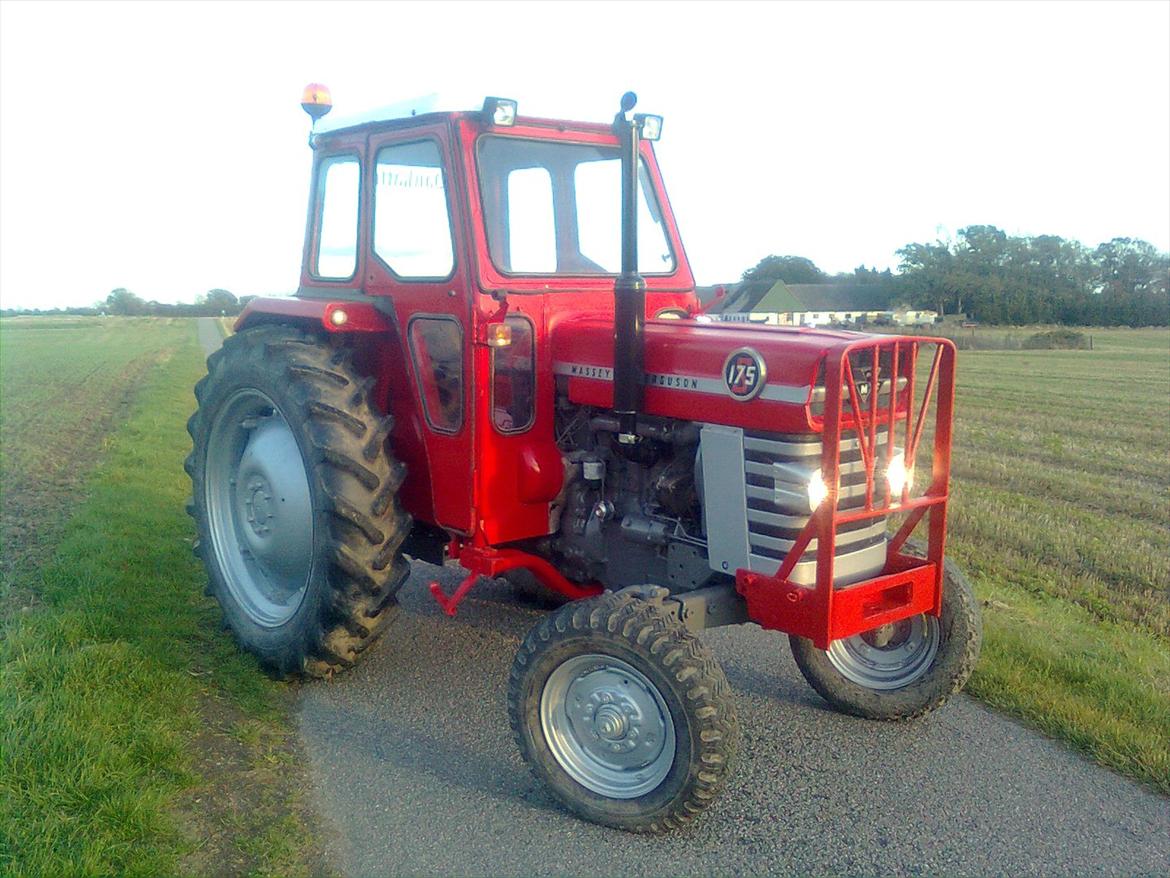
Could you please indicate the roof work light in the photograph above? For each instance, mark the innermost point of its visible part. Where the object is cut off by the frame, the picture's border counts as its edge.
(651, 125)
(316, 100)
(499, 111)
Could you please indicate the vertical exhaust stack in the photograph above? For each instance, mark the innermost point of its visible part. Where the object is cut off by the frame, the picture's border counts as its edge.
(629, 289)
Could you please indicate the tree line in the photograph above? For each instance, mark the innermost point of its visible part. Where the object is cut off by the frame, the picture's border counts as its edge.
(123, 303)
(984, 273)
(993, 277)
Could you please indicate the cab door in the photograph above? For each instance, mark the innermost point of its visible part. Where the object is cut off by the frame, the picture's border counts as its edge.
(416, 260)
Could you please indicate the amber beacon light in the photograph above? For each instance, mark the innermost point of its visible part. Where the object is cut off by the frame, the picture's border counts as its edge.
(316, 100)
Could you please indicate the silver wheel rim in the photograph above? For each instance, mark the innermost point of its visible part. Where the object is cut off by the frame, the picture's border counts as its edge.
(890, 656)
(607, 726)
(259, 508)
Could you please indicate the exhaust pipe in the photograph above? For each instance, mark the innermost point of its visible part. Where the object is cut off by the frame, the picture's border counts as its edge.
(630, 289)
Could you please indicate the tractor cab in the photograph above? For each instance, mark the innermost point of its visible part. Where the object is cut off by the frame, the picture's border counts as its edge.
(470, 236)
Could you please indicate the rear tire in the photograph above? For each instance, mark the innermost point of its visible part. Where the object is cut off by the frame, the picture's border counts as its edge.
(623, 713)
(295, 500)
(904, 670)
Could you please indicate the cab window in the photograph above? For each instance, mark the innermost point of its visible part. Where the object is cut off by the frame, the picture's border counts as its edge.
(553, 207)
(514, 379)
(436, 347)
(339, 182)
(412, 224)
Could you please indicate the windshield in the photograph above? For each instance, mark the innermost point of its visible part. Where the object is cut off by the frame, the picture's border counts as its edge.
(555, 208)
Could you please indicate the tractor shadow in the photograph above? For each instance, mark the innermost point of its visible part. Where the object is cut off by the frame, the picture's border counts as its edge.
(494, 605)
(428, 700)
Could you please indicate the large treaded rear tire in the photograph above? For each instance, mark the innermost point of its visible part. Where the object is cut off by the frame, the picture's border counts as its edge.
(643, 643)
(348, 595)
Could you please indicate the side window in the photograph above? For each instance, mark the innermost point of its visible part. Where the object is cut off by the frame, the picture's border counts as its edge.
(412, 226)
(513, 380)
(340, 180)
(532, 245)
(436, 346)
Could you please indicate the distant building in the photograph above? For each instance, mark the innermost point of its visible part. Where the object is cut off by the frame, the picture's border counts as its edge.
(784, 304)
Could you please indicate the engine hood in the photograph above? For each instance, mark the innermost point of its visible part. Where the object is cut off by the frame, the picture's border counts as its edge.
(685, 363)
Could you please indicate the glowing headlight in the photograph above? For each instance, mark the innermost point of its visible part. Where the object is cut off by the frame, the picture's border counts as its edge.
(817, 491)
(898, 476)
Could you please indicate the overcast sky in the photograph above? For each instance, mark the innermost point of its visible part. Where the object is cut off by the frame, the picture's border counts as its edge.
(161, 147)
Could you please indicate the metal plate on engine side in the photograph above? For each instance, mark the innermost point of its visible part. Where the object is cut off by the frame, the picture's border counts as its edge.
(724, 498)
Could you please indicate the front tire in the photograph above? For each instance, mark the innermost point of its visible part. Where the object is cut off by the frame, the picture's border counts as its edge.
(901, 670)
(623, 713)
(295, 500)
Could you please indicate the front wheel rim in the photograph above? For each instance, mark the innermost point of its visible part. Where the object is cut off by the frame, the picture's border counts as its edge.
(607, 726)
(889, 657)
(259, 507)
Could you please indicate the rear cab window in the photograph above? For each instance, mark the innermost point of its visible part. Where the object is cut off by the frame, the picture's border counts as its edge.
(338, 201)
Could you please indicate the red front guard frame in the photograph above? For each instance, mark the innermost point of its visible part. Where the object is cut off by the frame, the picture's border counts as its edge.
(908, 585)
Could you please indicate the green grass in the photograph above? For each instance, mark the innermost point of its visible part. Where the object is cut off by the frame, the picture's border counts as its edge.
(1061, 514)
(108, 682)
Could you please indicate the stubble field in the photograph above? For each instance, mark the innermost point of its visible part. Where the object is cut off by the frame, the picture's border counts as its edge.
(1061, 514)
(110, 658)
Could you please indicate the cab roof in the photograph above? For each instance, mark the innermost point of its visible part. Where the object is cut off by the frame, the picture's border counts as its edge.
(433, 107)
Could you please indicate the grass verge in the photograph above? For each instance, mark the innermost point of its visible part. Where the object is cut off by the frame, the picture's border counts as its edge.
(119, 694)
(1102, 686)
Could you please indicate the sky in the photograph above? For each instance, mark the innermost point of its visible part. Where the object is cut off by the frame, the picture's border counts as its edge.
(161, 147)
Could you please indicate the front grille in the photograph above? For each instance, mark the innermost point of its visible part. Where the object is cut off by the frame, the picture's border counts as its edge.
(756, 522)
(775, 521)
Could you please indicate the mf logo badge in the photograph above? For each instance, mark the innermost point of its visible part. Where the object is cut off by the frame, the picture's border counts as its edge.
(744, 373)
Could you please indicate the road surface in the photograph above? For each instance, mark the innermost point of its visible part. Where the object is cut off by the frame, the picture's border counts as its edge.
(414, 765)
(414, 769)
(210, 338)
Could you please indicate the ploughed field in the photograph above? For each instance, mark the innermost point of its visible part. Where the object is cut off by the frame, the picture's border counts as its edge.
(64, 382)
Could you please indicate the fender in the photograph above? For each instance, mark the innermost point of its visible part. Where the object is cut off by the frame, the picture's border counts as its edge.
(371, 328)
(338, 314)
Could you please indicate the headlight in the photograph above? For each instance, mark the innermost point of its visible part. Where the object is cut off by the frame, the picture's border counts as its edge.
(817, 491)
(898, 476)
(797, 487)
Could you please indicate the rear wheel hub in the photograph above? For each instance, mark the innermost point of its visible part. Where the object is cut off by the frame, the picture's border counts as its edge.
(260, 507)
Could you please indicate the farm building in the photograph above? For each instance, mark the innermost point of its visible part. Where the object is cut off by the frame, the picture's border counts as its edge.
(784, 304)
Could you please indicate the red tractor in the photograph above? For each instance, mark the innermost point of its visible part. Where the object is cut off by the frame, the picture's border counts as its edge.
(496, 356)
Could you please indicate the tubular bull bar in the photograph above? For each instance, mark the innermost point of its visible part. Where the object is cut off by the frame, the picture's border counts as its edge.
(908, 585)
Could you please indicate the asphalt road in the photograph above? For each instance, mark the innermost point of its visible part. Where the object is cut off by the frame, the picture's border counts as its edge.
(209, 335)
(414, 765)
(414, 770)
